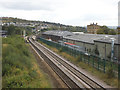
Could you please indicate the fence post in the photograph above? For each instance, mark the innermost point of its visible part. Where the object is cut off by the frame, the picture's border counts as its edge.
(104, 65)
(84, 57)
(81, 56)
(93, 61)
(98, 63)
(88, 59)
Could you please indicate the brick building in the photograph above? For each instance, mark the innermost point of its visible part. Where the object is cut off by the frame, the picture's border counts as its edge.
(92, 28)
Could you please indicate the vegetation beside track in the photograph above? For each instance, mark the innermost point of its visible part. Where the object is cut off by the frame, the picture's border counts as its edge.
(19, 67)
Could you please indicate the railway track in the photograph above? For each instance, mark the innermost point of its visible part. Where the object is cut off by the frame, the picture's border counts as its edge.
(58, 71)
(72, 76)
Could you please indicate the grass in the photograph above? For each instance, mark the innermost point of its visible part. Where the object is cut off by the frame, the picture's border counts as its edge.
(19, 66)
(103, 76)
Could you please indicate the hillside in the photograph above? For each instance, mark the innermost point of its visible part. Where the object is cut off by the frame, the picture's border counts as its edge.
(20, 68)
(45, 25)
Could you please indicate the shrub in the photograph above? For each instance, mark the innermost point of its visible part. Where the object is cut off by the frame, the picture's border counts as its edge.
(33, 73)
(6, 69)
(78, 59)
(110, 73)
(61, 50)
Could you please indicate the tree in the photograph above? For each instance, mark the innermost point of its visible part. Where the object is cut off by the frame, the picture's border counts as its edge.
(100, 31)
(103, 30)
(11, 30)
(112, 32)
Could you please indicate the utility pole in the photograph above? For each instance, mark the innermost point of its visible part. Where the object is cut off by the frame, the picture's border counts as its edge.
(24, 33)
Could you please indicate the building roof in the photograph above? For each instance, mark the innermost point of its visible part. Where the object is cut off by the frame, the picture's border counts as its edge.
(78, 33)
(93, 24)
(90, 38)
(87, 38)
(108, 39)
(58, 33)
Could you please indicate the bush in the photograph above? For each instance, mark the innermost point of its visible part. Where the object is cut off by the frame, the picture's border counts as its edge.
(6, 69)
(61, 50)
(110, 73)
(33, 73)
(78, 59)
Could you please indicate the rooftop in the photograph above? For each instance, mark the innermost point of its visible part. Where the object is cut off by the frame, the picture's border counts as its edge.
(90, 38)
(116, 39)
(58, 33)
(87, 38)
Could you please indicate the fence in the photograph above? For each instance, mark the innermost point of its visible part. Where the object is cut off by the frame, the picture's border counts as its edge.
(93, 60)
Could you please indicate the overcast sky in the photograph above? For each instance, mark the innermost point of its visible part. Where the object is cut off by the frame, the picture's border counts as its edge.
(69, 12)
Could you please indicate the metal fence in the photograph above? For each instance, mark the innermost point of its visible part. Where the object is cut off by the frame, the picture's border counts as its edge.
(93, 60)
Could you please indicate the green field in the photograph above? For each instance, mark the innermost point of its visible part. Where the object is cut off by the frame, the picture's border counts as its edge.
(19, 66)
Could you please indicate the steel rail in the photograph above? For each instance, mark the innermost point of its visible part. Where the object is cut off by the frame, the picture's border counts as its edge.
(61, 74)
(80, 75)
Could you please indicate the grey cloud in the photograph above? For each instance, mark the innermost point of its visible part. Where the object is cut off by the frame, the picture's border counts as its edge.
(92, 17)
(26, 5)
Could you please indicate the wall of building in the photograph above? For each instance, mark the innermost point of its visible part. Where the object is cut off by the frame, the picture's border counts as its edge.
(105, 50)
(92, 28)
(52, 37)
(88, 47)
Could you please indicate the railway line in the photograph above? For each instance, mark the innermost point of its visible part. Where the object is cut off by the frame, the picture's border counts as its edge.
(69, 73)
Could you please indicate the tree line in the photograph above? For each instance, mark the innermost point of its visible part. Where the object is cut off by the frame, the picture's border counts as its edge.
(106, 30)
(14, 30)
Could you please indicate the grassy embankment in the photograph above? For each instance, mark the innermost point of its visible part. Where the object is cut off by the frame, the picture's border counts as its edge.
(105, 77)
(19, 67)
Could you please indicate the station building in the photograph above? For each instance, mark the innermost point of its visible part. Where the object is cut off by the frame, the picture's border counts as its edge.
(87, 42)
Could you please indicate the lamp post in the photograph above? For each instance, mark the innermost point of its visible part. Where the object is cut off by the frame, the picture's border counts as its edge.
(112, 49)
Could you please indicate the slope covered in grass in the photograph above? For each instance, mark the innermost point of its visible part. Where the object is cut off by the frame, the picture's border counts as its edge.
(19, 67)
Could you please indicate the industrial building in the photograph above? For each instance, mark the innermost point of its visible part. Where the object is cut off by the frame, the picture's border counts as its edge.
(87, 42)
(56, 35)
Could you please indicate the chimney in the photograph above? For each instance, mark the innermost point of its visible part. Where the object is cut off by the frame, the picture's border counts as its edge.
(96, 23)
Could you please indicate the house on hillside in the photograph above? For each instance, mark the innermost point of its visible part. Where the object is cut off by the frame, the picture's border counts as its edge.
(92, 28)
